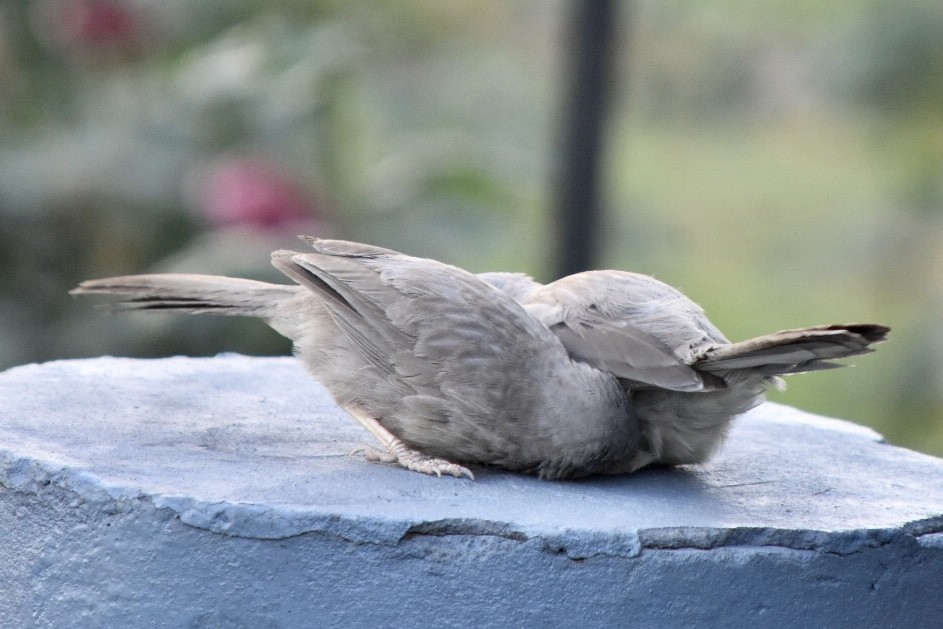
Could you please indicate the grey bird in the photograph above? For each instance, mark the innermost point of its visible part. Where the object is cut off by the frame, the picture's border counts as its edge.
(602, 372)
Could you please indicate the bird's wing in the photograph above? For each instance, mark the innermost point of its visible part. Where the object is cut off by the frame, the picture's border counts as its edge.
(344, 286)
(610, 344)
(619, 348)
(630, 325)
(347, 248)
(460, 351)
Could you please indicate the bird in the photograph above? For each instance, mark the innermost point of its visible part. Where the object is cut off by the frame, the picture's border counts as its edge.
(598, 373)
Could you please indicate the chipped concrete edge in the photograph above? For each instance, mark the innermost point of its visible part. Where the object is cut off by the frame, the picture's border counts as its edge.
(265, 522)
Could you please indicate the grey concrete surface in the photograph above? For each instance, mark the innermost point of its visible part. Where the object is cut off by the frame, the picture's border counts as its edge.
(219, 492)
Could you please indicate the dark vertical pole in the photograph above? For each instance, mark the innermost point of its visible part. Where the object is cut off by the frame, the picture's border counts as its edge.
(592, 29)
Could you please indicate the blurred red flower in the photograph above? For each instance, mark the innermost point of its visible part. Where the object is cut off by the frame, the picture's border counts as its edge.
(97, 29)
(251, 191)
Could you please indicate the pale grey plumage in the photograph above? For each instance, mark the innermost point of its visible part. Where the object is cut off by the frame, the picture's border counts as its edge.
(684, 380)
(600, 372)
(446, 363)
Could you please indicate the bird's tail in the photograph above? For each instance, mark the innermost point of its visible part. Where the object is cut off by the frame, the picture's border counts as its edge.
(794, 351)
(192, 294)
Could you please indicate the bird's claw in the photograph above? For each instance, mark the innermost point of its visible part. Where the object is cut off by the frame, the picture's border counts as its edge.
(413, 460)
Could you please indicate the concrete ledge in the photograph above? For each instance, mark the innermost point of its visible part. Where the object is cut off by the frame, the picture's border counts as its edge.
(218, 492)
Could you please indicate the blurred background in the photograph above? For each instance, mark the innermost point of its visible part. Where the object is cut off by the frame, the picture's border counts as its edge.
(781, 162)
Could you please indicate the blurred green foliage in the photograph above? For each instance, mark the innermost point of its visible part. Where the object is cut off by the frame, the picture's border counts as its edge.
(781, 162)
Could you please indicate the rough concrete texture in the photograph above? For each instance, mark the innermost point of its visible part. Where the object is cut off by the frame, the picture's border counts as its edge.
(219, 493)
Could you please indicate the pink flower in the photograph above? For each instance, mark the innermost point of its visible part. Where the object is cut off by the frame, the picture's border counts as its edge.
(251, 191)
(109, 29)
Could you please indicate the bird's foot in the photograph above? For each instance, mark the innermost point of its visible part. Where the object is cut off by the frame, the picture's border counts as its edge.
(399, 454)
(419, 462)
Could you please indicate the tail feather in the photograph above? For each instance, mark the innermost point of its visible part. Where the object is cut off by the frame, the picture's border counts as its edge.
(192, 294)
(795, 351)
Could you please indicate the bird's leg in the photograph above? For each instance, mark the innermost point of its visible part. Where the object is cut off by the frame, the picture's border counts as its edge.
(397, 452)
